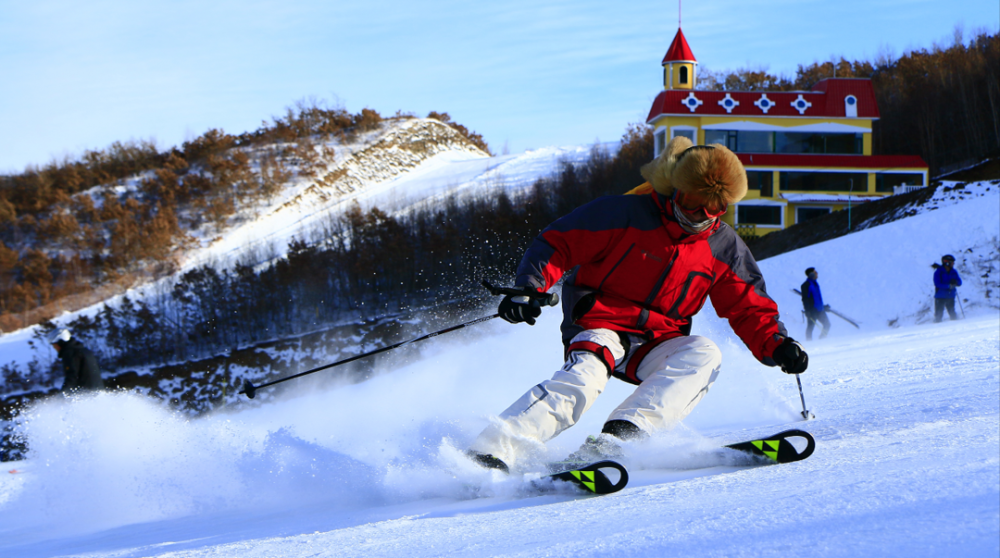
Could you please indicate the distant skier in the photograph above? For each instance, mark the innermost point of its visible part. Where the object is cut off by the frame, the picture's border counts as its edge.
(946, 280)
(79, 364)
(640, 266)
(812, 304)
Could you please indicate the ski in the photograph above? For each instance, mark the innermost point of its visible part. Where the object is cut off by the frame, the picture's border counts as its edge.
(769, 450)
(834, 312)
(776, 448)
(590, 478)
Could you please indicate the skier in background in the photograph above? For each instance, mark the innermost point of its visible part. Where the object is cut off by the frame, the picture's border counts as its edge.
(946, 280)
(79, 363)
(640, 266)
(812, 305)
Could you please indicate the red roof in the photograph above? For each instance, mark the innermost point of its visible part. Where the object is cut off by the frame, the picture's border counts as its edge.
(832, 161)
(679, 50)
(828, 98)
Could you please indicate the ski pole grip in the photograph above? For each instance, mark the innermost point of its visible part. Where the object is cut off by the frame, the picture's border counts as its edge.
(545, 299)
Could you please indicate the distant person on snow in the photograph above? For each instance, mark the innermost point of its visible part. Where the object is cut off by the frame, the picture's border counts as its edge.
(79, 364)
(812, 304)
(640, 266)
(946, 280)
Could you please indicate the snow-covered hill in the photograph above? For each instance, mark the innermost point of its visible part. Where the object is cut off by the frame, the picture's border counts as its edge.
(908, 431)
(402, 164)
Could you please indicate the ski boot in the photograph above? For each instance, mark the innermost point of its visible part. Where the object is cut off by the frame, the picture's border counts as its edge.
(488, 461)
(602, 447)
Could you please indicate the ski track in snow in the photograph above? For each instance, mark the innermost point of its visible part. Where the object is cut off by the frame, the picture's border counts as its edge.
(907, 462)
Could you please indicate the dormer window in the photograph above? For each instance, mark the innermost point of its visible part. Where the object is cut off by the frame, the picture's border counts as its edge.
(851, 106)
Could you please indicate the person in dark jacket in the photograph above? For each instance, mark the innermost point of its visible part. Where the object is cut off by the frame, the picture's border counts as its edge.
(812, 304)
(946, 280)
(79, 364)
(639, 267)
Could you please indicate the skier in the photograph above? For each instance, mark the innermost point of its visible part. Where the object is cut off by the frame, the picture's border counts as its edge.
(812, 305)
(946, 280)
(640, 266)
(79, 363)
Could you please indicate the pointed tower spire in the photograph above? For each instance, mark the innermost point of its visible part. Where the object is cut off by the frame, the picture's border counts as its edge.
(679, 64)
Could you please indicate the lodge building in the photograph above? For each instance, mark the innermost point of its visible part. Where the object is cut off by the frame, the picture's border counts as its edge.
(806, 153)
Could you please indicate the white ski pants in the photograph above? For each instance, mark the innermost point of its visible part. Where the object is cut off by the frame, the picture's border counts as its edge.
(675, 375)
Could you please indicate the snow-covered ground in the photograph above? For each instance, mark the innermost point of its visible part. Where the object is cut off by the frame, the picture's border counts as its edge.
(907, 463)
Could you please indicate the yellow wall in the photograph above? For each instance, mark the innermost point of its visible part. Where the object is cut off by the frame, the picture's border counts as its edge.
(672, 76)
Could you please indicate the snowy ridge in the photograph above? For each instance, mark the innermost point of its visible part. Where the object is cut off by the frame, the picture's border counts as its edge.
(357, 170)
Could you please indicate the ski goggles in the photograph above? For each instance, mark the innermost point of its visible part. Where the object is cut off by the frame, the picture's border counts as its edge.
(691, 207)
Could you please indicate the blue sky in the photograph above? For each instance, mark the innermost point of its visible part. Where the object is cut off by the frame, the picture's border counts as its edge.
(525, 74)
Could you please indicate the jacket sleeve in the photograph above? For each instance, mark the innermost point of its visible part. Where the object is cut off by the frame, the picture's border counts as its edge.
(738, 295)
(958, 280)
(584, 235)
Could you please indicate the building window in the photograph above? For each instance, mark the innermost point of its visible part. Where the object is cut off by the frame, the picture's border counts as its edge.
(824, 181)
(743, 141)
(799, 142)
(758, 214)
(722, 137)
(851, 106)
(659, 142)
(803, 214)
(683, 75)
(885, 181)
(761, 180)
(847, 144)
(686, 131)
(755, 142)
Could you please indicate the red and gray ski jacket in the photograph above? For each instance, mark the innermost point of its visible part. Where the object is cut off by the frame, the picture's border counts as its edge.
(637, 271)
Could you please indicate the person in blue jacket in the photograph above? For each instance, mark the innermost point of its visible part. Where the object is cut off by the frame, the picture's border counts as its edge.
(812, 304)
(945, 281)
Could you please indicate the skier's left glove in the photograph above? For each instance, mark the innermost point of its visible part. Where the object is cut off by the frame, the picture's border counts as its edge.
(516, 308)
(791, 357)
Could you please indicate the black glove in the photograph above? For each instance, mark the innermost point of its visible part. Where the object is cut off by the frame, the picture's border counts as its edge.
(826, 308)
(953, 283)
(791, 357)
(517, 308)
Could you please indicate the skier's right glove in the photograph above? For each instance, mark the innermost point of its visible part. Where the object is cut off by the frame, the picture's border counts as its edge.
(517, 308)
(791, 357)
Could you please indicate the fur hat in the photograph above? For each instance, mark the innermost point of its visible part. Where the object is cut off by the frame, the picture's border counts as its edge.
(712, 171)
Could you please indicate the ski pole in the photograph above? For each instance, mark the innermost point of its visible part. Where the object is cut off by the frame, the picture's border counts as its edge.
(250, 390)
(960, 306)
(805, 412)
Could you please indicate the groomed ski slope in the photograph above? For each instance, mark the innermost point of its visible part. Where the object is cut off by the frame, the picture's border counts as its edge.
(907, 463)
